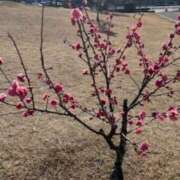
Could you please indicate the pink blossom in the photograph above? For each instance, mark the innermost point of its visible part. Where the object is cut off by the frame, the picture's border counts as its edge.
(162, 60)
(76, 46)
(28, 113)
(16, 90)
(12, 88)
(101, 90)
(142, 115)
(22, 92)
(139, 24)
(21, 77)
(85, 72)
(92, 30)
(127, 71)
(15, 84)
(25, 114)
(129, 44)
(3, 97)
(53, 103)
(143, 148)
(39, 76)
(138, 130)
(28, 100)
(111, 51)
(71, 98)
(49, 83)
(1, 61)
(140, 122)
(73, 106)
(159, 116)
(146, 96)
(178, 75)
(177, 25)
(165, 46)
(178, 30)
(100, 114)
(131, 122)
(66, 98)
(151, 70)
(11, 91)
(58, 88)
(137, 37)
(172, 113)
(19, 105)
(76, 15)
(159, 83)
(108, 92)
(118, 62)
(97, 57)
(124, 65)
(45, 96)
(156, 67)
(103, 102)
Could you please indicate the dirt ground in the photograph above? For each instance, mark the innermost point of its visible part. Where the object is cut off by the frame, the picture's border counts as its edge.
(54, 148)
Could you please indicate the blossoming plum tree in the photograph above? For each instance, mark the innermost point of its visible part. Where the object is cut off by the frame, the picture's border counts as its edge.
(105, 61)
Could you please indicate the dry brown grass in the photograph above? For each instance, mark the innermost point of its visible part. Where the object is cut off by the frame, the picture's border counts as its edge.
(53, 148)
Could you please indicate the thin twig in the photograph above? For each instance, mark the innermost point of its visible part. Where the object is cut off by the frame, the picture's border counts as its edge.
(24, 67)
(5, 75)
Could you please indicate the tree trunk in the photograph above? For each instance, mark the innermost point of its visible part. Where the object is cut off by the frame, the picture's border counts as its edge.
(117, 173)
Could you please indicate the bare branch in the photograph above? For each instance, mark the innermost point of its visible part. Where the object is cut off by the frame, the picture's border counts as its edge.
(5, 75)
(23, 66)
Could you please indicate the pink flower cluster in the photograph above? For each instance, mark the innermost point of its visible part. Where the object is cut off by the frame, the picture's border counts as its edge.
(143, 148)
(66, 99)
(28, 113)
(76, 16)
(17, 90)
(162, 81)
(138, 122)
(172, 114)
(122, 66)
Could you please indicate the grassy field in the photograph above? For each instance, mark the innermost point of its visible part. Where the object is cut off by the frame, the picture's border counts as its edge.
(53, 148)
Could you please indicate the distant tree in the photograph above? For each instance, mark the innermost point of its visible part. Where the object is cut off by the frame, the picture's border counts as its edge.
(99, 7)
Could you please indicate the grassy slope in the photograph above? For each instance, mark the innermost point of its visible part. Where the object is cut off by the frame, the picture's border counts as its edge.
(52, 148)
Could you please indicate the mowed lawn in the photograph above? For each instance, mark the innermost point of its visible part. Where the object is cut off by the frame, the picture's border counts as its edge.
(55, 148)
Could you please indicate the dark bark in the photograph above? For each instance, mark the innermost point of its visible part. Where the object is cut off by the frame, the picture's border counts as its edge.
(117, 173)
